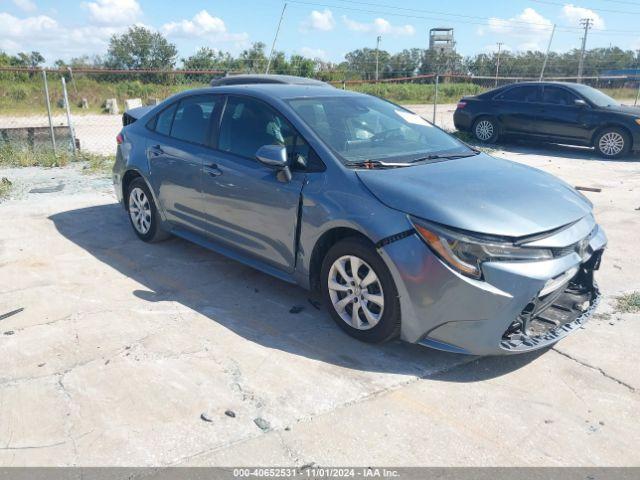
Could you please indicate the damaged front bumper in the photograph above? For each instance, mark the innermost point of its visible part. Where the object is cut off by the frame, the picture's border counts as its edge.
(516, 307)
(551, 317)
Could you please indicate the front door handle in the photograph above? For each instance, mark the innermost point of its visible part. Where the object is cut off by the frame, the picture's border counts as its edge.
(212, 170)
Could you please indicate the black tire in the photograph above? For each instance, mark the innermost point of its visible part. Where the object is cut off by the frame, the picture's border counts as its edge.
(388, 326)
(480, 127)
(618, 134)
(155, 232)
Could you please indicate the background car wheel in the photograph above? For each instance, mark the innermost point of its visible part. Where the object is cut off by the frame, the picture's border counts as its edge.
(359, 291)
(143, 213)
(486, 130)
(613, 143)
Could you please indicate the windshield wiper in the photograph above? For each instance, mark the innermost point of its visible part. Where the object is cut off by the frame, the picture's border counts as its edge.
(371, 164)
(451, 156)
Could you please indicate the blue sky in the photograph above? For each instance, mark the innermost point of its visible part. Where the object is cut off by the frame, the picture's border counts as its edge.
(325, 29)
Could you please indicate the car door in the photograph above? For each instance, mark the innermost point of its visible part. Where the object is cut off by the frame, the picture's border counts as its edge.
(515, 109)
(559, 116)
(176, 150)
(247, 205)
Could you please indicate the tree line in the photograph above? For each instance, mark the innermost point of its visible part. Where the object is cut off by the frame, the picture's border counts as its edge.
(141, 48)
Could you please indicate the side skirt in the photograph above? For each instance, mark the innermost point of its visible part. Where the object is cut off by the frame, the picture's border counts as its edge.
(232, 254)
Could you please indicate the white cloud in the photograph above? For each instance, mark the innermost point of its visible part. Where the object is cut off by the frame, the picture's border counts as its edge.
(322, 21)
(113, 12)
(46, 35)
(203, 24)
(529, 30)
(26, 5)
(313, 53)
(379, 26)
(574, 14)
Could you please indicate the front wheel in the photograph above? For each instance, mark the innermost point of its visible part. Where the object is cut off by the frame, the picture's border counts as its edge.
(613, 143)
(359, 291)
(486, 130)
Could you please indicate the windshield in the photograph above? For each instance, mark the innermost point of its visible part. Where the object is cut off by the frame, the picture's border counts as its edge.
(366, 128)
(596, 96)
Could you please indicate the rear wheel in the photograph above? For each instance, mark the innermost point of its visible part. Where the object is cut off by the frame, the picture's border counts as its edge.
(143, 213)
(359, 291)
(486, 129)
(613, 143)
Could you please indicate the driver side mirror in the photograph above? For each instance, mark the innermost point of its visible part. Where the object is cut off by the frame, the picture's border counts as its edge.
(578, 102)
(275, 156)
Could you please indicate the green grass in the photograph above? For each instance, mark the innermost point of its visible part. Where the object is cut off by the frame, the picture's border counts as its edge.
(23, 95)
(5, 187)
(97, 164)
(18, 156)
(628, 303)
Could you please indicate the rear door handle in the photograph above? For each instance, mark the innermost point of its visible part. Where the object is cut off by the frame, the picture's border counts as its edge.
(212, 170)
(156, 150)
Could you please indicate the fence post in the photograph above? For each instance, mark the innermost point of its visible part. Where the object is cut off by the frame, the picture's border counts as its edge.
(46, 94)
(637, 94)
(435, 99)
(66, 106)
(73, 80)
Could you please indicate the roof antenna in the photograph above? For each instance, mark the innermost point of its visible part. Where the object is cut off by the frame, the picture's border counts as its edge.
(273, 45)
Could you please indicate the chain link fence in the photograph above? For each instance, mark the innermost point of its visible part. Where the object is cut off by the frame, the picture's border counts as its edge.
(79, 112)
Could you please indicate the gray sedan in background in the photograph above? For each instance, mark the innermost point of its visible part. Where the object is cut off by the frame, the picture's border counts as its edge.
(404, 230)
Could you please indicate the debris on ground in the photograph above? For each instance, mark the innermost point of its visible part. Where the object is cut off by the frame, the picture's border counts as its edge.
(41, 365)
(262, 424)
(314, 303)
(11, 313)
(205, 417)
(230, 413)
(52, 189)
(588, 189)
(296, 309)
(9, 332)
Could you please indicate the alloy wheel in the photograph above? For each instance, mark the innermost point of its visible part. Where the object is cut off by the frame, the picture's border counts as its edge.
(140, 210)
(611, 143)
(356, 292)
(484, 130)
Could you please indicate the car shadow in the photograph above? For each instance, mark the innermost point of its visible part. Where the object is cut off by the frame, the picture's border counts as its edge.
(254, 305)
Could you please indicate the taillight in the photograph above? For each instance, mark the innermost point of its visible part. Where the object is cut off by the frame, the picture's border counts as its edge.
(462, 104)
(119, 139)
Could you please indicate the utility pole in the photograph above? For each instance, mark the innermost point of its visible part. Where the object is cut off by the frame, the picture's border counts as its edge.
(586, 23)
(498, 62)
(273, 45)
(377, 52)
(546, 57)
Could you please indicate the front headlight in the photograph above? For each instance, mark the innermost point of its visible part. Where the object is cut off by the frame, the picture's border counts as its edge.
(466, 253)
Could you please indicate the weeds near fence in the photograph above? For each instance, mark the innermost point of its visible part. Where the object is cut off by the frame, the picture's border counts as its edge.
(20, 156)
(5, 187)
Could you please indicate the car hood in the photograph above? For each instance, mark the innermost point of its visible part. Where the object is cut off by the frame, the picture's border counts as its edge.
(479, 194)
(628, 109)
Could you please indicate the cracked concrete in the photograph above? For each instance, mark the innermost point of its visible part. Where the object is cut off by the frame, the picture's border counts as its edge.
(122, 346)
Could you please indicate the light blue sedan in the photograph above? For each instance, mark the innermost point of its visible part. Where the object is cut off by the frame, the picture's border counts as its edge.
(405, 231)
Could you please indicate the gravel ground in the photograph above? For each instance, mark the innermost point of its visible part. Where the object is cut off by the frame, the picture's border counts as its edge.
(130, 354)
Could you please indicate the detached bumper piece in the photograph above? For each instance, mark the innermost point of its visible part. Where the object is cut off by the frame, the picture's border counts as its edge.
(551, 317)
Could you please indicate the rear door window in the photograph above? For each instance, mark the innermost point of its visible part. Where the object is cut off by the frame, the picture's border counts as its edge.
(558, 96)
(192, 120)
(164, 120)
(526, 93)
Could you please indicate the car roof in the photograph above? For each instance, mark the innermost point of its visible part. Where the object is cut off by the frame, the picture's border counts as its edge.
(276, 90)
(565, 84)
(246, 79)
